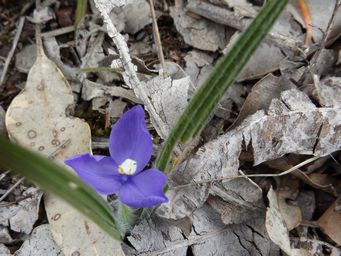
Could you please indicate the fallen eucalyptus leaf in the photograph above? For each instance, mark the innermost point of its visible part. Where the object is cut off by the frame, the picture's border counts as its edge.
(37, 119)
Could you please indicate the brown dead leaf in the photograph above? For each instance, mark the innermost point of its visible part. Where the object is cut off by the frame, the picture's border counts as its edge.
(330, 221)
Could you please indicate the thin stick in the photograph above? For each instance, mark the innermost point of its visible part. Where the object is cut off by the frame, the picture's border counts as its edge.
(11, 53)
(11, 189)
(130, 76)
(58, 32)
(158, 39)
(3, 175)
(251, 175)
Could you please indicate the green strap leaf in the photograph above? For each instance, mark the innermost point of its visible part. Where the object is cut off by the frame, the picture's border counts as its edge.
(60, 182)
(203, 103)
(82, 6)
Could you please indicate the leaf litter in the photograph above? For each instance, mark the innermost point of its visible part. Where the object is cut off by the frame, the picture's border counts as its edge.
(284, 107)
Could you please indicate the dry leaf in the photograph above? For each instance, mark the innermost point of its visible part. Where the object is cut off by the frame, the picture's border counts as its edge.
(293, 125)
(22, 216)
(209, 236)
(93, 90)
(25, 59)
(4, 251)
(261, 95)
(315, 247)
(275, 225)
(37, 119)
(237, 201)
(266, 59)
(132, 17)
(328, 91)
(330, 221)
(5, 236)
(286, 197)
(198, 67)
(168, 97)
(199, 33)
(40, 243)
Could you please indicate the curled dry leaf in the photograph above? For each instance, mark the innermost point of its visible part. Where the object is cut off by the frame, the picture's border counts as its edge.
(293, 125)
(330, 221)
(37, 119)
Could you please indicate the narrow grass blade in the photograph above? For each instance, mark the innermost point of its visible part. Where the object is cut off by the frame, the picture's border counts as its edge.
(60, 182)
(82, 6)
(224, 74)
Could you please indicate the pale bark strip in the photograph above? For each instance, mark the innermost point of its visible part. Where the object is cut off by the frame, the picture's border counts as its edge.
(129, 75)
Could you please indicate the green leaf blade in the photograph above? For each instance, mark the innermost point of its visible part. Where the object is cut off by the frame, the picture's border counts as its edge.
(224, 74)
(60, 182)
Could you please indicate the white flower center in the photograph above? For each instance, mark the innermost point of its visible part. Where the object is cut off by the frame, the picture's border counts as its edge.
(128, 167)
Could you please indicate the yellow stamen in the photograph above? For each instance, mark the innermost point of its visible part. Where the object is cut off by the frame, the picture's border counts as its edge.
(128, 167)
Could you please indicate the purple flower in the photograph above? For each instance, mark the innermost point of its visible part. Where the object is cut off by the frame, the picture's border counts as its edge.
(130, 147)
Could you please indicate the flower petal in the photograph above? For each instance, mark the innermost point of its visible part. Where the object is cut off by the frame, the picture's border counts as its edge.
(144, 190)
(130, 139)
(100, 172)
